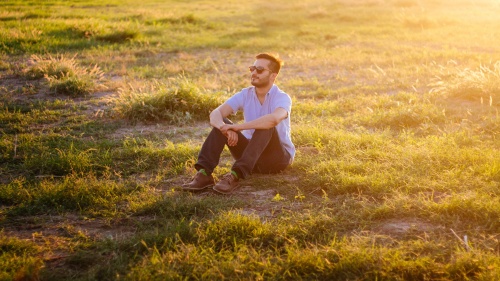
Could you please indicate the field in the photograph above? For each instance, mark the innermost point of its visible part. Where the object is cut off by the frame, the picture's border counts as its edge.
(104, 106)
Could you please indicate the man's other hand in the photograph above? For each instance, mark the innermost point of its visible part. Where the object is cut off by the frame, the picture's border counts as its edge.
(232, 137)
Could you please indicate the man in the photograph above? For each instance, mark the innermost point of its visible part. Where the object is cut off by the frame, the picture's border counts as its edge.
(261, 144)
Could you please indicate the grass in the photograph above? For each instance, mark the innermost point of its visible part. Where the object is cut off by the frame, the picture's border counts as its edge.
(177, 102)
(341, 259)
(104, 106)
(17, 258)
(64, 76)
(475, 85)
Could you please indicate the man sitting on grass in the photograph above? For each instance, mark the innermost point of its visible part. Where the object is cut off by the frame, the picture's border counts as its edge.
(262, 144)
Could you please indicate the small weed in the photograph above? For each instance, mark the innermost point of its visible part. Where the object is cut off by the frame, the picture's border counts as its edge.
(29, 89)
(278, 198)
(300, 196)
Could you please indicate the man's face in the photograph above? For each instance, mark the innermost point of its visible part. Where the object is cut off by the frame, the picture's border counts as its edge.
(264, 78)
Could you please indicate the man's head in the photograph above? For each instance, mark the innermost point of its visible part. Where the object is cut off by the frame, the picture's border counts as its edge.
(265, 70)
(274, 62)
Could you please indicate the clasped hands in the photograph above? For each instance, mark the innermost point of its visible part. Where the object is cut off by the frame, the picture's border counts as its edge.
(230, 131)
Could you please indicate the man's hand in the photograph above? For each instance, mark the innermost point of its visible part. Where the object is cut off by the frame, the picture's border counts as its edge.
(230, 131)
(232, 137)
(229, 127)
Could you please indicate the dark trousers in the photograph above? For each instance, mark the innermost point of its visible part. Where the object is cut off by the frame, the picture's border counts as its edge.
(263, 153)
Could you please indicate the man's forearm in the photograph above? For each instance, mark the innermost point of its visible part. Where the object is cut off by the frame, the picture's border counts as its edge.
(265, 122)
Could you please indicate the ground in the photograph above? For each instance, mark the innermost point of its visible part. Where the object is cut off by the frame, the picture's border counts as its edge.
(261, 202)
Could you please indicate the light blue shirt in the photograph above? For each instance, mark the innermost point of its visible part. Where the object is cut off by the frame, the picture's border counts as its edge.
(247, 101)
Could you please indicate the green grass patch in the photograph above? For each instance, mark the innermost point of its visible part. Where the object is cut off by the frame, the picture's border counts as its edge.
(90, 195)
(138, 156)
(18, 260)
(64, 75)
(178, 102)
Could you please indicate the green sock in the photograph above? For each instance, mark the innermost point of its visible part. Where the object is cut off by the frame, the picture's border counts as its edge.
(203, 172)
(235, 174)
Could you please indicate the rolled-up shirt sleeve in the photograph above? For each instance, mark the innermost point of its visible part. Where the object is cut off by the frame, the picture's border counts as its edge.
(237, 101)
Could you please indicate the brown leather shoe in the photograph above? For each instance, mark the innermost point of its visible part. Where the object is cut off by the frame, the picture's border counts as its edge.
(199, 182)
(227, 184)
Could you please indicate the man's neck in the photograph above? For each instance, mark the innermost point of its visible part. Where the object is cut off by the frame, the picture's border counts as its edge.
(262, 91)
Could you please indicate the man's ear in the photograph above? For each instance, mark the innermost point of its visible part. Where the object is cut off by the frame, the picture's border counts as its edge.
(274, 75)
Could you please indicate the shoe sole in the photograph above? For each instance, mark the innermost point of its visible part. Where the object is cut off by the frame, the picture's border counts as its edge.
(225, 192)
(197, 189)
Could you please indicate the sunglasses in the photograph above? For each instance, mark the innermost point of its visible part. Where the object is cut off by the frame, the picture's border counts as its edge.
(259, 69)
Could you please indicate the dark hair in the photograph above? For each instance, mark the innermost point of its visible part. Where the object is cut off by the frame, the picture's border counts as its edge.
(274, 62)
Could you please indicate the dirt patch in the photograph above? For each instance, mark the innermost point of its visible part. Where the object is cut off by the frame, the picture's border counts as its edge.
(395, 227)
(195, 131)
(59, 235)
(41, 228)
(262, 204)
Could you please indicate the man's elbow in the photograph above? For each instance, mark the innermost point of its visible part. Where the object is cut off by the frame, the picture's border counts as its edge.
(275, 121)
(215, 113)
(278, 116)
(213, 117)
